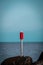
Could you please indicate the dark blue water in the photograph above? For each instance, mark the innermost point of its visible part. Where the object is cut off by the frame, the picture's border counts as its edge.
(10, 49)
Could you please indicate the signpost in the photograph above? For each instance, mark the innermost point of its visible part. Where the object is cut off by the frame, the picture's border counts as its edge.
(21, 43)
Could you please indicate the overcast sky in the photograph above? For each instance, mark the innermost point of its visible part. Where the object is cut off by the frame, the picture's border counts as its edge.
(21, 15)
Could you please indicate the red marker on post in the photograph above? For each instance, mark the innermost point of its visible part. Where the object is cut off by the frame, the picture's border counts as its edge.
(21, 43)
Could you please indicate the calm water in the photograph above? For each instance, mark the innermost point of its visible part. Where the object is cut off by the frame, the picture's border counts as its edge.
(13, 49)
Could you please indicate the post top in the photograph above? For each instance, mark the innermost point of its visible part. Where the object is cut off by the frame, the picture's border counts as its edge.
(21, 35)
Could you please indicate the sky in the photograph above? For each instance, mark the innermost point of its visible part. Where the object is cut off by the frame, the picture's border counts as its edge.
(21, 15)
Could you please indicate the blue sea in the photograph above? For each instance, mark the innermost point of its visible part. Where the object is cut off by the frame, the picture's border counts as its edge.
(11, 49)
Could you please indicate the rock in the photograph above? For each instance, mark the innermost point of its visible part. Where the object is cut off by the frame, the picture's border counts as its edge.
(40, 57)
(38, 63)
(18, 60)
(23, 60)
(28, 61)
(40, 60)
